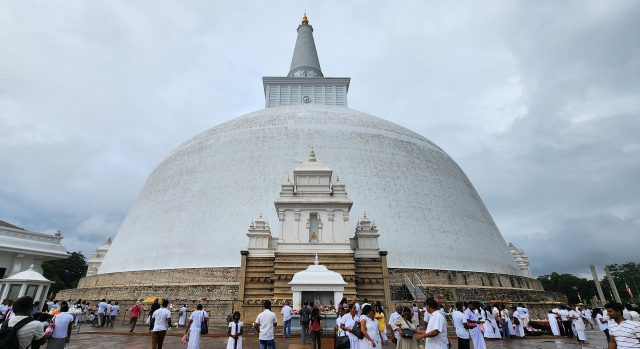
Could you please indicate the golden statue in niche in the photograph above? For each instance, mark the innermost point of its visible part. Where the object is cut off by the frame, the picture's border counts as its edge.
(313, 236)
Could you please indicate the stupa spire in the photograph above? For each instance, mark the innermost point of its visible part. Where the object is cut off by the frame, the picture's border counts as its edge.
(305, 61)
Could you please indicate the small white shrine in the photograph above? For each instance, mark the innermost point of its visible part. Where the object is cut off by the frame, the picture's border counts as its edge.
(26, 283)
(327, 285)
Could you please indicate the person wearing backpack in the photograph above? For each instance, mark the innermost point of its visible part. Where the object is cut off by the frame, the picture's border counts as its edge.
(316, 328)
(304, 321)
(21, 331)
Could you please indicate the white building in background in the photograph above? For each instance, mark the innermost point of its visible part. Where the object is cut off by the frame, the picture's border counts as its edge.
(20, 248)
(521, 259)
(21, 251)
(93, 264)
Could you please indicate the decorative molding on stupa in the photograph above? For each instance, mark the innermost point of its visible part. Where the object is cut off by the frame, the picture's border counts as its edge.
(313, 217)
(365, 242)
(94, 263)
(521, 260)
(261, 243)
(305, 83)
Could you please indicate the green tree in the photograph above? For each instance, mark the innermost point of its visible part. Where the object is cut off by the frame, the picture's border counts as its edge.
(570, 285)
(65, 272)
(630, 272)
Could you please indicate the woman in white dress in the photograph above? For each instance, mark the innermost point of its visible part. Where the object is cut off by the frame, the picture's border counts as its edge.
(496, 328)
(193, 327)
(553, 323)
(517, 323)
(371, 329)
(183, 316)
(235, 332)
(348, 322)
(487, 324)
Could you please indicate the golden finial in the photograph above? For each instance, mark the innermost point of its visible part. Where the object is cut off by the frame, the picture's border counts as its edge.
(304, 19)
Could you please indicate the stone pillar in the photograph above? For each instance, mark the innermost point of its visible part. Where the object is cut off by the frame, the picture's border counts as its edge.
(243, 271)
(337, 297)
(23, 290)
(385, 280)
(38, 295)
(297, 296)
(5, 291)
(44, 296)
(597, 282)
(613, 285)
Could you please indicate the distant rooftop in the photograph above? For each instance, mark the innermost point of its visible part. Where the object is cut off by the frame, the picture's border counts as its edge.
(9, 225)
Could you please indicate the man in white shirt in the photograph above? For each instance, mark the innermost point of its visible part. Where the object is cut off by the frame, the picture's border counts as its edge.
(114, 313)
(566, 324)
(624, 333)
(462, 327)
(102, 309)
(588, 316)
(264, 324)
(435, 336)
(107, 314)
(286, 314)
(524, 314)
(578, 323)
(3, 310)
(161, 321)
(393, 317)
(30, 332)
(357, 305)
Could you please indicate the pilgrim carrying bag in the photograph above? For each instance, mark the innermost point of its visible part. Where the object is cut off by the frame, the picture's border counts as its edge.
(204, 328)
(356, 331)
(406, 332)
(9, 335)
(342, 342)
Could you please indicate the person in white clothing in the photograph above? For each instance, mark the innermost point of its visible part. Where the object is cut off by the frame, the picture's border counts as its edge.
(462, 327)
(624, 333)
(62, 324)
(286, 315)
(194, 326)
(371, 338)
(348, 323)
(107, 314)
(435, 336)
(602, 322)
(475, 333)
(517, 323)
(182, 316)
(235, 331)
(357, 305)
(264, 324)
(553, 323)
(578, 323)
(4, 308)
(566, 323)
(30, 332)
(588, 316)
(340, 332)
(393, 318)
(114, 313)
(102, 309)
(161, 321)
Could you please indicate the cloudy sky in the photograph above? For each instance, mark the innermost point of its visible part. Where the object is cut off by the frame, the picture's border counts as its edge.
(538, 102)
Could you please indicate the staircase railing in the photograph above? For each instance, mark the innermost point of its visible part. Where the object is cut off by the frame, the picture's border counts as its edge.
(415, 291)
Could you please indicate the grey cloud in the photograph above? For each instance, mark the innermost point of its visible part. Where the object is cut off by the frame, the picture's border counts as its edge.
(537, 102)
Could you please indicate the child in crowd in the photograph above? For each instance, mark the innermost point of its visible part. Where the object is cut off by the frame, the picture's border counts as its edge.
(92, 319)
(234, 332)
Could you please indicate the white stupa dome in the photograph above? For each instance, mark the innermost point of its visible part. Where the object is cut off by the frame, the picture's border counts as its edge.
(194, 208)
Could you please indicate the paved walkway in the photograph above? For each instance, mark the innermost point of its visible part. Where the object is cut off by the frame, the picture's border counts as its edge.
(119, 338)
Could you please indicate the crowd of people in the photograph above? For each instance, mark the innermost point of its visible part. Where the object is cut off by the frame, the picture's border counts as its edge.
(358, 326)
(26, 327)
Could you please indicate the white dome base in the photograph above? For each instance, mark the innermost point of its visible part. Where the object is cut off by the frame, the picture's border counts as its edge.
(194, 209)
